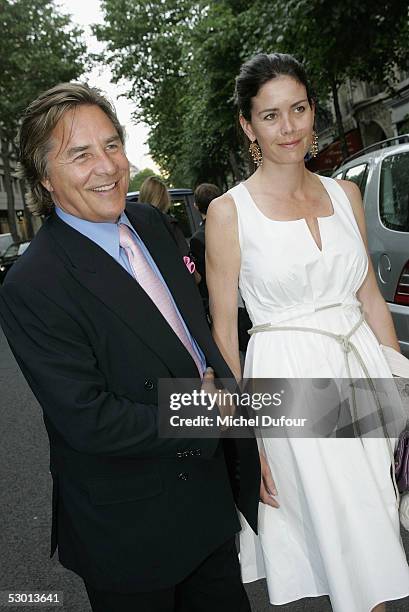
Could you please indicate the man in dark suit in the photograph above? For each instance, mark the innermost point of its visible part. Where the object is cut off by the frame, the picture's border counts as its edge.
(98, 309)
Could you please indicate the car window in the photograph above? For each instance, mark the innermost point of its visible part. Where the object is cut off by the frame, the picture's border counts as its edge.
(11, 251)
(339, 175)
(358, 174)
(179, 211)
(23, 246)
(394, 192)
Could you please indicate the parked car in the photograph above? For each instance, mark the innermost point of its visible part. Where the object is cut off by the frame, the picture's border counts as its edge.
(10, 256)
(382, 173)
(182, 208)
(5, 241)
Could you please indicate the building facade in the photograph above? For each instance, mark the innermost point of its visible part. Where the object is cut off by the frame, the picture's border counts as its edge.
(23, 217)
(369, 115)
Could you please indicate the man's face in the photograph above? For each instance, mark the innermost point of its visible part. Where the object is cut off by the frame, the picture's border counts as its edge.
(87, 169)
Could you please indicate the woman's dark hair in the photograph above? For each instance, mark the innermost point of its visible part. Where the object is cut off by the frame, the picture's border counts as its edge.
(262, 68)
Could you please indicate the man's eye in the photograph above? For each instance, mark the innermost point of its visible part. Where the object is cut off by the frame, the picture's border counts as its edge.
(113, 147)
(81, 157)
(300, 109)
(271, 116)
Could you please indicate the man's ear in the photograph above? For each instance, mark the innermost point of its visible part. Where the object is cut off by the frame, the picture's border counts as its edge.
(247, 128)
(47, 184)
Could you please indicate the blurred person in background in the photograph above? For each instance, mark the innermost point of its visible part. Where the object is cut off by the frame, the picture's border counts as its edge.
(204, 194)
(155, 192)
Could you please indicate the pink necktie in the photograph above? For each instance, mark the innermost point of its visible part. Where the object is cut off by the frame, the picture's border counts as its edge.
(153, 286)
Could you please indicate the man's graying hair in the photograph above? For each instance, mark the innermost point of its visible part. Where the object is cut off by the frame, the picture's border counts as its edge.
(38, 122)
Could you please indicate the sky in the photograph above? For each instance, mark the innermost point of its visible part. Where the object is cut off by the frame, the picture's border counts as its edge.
(84, 13)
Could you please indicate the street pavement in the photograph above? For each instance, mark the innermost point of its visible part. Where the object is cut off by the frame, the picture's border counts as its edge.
(25, 509)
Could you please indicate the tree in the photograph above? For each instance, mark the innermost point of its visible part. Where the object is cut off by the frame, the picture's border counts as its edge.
(336, 40)
(180, 58)
(138, 179)
(38, 49)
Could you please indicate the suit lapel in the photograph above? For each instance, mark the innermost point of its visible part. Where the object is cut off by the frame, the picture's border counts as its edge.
(160, 243)
(99, 273)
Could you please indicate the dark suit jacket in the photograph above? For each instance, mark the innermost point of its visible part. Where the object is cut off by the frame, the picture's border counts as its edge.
(131, 511)
(198, 251)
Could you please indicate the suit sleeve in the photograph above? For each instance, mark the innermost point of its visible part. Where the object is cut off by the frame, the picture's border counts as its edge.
(197, 249)
(60, 367)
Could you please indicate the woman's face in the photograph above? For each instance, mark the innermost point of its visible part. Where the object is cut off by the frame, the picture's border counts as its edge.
(281, 120)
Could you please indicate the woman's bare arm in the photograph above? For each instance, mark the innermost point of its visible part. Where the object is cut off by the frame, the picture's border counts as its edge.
(222, 274)
(376, 311)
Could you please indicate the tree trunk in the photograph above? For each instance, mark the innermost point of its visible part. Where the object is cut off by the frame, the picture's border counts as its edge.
(8, 185)
(340, 125)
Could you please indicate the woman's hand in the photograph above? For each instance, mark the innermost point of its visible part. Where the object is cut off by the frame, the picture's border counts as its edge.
(267, 486)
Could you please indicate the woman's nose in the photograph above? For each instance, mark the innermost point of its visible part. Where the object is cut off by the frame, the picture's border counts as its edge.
(286, 125)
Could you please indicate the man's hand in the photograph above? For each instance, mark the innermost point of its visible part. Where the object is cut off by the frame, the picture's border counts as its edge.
(267, 486)
(226, 405)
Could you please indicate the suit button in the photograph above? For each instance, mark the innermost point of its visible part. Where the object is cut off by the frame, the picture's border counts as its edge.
(149, 384)
(183, 476)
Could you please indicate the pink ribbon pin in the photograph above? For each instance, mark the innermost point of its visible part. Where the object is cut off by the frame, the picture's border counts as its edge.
(190, 265)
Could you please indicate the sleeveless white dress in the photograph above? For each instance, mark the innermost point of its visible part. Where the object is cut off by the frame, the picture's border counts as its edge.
(336, 532)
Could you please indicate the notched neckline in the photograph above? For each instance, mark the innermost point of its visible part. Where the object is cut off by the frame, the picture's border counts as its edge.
(319, 245)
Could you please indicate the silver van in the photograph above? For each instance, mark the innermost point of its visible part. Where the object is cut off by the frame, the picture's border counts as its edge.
(5, 241)
(382, 173)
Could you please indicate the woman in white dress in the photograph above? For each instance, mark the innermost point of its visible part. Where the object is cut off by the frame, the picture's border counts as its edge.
(295, 243)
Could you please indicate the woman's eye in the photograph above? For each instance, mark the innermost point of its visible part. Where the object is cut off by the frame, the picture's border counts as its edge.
(300, 109)
(271, 116)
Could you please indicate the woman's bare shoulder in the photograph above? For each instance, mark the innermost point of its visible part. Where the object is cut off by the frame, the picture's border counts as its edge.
(222, 209)
(351, 189)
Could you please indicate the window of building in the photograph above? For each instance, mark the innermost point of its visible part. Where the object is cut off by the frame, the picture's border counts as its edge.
(394, 192)
(403, 126)
(16, 186)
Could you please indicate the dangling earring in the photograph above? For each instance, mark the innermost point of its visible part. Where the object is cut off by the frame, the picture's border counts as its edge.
(314, 145)
(256, 153)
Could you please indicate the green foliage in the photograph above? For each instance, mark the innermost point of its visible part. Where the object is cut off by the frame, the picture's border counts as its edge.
(38, 49)
(181, 58)
(334, 39)
(138, 179)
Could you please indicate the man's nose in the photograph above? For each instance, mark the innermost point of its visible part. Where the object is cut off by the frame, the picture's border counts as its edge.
(105, 164)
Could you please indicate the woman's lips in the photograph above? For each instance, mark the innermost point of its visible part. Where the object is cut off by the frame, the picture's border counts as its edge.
(290, 145)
